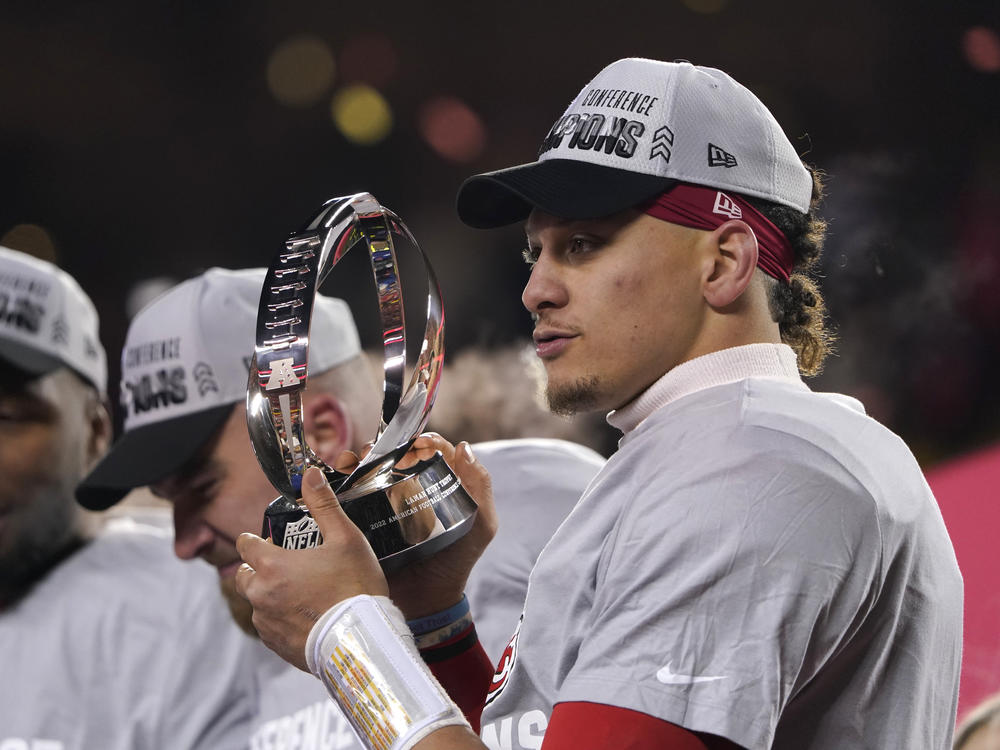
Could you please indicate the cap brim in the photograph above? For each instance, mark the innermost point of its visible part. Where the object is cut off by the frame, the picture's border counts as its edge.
(27, 358)
(565, 188)
(147, 454)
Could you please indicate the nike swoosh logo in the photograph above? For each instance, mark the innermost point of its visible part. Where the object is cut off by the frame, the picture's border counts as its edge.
(668, 676)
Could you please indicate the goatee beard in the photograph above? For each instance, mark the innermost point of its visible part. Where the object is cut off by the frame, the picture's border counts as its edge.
(579, 396)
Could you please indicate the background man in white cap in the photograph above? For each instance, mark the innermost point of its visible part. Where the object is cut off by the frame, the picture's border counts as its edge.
(187, 438)
(758, 566)
(94, 632)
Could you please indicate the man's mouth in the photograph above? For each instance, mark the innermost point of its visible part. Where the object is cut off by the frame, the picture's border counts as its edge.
(226, 570)
(225, 561)
(551, 342)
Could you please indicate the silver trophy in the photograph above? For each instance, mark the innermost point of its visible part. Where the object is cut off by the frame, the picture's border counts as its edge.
(406, 514)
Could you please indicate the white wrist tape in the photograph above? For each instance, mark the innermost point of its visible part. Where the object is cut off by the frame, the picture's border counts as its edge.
(364, 653)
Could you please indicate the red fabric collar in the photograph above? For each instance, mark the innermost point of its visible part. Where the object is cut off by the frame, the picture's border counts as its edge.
(707, 208)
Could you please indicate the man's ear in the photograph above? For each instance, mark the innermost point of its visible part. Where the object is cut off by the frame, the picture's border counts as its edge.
(99, 440)
(735, 262)
(329, 429)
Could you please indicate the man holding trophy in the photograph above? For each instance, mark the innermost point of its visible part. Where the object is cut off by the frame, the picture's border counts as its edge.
(757, 566)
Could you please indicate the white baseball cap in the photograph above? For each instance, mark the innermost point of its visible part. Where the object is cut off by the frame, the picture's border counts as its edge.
(633, 132)
(47, 321)
(185, 365)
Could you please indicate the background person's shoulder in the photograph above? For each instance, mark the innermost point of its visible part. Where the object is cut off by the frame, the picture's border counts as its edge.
(130, 568)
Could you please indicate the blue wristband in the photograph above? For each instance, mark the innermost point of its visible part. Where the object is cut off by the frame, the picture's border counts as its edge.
(439, 619)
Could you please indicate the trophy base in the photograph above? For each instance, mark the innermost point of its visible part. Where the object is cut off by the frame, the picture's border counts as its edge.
(423, 511)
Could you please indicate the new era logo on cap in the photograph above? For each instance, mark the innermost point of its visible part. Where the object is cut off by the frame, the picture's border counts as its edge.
(718, 157)
(726, 206)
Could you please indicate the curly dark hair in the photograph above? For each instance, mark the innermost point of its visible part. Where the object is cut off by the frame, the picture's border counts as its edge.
(797, 306)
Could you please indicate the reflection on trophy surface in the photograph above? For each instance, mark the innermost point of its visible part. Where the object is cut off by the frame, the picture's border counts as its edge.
(405, 512)
(417, 521)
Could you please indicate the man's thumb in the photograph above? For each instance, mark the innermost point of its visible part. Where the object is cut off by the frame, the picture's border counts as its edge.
(321, 502)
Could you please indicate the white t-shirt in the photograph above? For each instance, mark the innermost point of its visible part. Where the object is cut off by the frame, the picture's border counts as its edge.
(124, 647)
(757, 561)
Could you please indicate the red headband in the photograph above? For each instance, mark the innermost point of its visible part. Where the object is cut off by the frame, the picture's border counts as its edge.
(707, 208)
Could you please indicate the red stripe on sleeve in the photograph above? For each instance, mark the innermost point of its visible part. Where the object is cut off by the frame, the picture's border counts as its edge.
(586, 726)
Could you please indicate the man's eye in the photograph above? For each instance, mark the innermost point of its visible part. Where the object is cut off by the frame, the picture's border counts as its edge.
(530, 255)
(205, 488)
(582, 245)
(13, 410)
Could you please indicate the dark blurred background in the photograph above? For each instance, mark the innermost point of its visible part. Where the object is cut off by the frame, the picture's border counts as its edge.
(143, 142)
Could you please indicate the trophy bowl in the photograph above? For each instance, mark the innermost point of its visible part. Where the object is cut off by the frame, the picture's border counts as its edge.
(405, 513)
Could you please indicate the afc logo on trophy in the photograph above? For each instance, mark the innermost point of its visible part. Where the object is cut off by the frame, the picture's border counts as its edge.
(282, 374)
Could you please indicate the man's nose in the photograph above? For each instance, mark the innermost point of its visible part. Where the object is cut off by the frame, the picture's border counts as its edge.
(545, 287)
(191, 535)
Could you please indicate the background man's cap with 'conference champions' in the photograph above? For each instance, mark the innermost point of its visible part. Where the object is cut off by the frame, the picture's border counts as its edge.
(185, 365)
(639, 127)
(47, 321)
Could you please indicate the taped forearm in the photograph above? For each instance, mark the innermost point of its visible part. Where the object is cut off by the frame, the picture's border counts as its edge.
(364, 653)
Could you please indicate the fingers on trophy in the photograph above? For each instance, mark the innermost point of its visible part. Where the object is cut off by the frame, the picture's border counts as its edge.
(405, 513)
